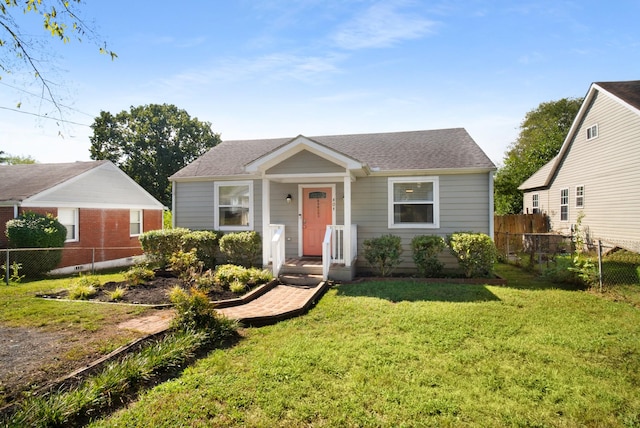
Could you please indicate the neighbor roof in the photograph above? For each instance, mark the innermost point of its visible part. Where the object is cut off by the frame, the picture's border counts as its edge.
(412, 150)
(19, 182)
(628, 91)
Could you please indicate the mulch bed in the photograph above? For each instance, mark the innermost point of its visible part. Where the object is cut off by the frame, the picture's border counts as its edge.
(153, 292)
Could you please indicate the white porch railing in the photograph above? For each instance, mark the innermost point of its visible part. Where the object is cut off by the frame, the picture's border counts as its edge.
(276, 255)
(333, 247)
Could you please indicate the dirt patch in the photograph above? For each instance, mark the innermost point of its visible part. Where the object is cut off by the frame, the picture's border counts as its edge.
(31, 358)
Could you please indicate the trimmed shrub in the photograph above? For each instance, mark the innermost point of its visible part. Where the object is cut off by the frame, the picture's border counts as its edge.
(226, 275)
(383, 253)
(33, 230)
(206, 244)
(138, 274)
(476, 253)
(185, 264)
(194, 311)
(159, 245)
(425, 255)
(241, 248)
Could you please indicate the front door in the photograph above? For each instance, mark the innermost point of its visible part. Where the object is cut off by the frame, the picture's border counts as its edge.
(316, 215)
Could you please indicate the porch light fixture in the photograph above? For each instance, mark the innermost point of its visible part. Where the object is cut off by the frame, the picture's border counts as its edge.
(289, 198)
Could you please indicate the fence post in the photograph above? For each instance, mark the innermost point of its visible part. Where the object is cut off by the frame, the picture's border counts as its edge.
(600, 264)
(507, 247)
(6, 268)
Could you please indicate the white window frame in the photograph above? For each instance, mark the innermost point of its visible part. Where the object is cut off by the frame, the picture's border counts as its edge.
(580, 196)
(76, 224)
(436, 202)
(535, 203)
(564, 203)
(216, 205)
(592, 132)
(140, 216)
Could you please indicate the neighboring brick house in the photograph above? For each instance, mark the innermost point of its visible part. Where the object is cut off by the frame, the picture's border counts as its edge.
(103, 209)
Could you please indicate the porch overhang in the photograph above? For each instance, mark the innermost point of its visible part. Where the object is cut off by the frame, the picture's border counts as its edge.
(300, 144)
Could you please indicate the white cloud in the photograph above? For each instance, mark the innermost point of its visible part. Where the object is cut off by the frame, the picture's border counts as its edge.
(382, 25)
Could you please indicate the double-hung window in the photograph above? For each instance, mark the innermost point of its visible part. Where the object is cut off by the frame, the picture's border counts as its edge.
(135, 222)
(68, 217)
(535, 203)
(233, 202)
(413, 202)
(564, 204)
(579, 196)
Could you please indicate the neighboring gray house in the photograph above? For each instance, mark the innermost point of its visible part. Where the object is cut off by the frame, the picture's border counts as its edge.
(321, 197)
(597, 172)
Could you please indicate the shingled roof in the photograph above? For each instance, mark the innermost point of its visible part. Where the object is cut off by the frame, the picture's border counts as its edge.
(394, 151)
(19, 182)
(628, 91)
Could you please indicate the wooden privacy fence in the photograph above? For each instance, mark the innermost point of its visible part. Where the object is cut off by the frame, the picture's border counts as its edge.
(509, 229)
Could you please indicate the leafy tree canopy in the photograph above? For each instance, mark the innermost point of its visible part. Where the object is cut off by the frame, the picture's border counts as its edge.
(20, 49)
(542, 133)
(7, 159)
(150, 143)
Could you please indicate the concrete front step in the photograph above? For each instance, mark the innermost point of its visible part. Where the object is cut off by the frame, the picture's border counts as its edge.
(300, 279)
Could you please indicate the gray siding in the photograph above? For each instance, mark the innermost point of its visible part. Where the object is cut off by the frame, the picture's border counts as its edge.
(607, 167)
(305, 162)
(464, 206)
(195, 206)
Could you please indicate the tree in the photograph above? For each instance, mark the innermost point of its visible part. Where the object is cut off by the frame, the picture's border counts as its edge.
(8, 159)
(61, 20)
(150, 143)
(541, 136)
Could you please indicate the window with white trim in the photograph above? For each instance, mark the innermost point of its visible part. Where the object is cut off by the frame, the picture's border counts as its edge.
(233, 202)
(564, 204)
(592, 132)
(535, 203)
(135, 222)
(579, 196)
(413, 202)
(68, 217)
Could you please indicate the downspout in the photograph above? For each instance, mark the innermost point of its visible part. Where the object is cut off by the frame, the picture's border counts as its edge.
(491, 202)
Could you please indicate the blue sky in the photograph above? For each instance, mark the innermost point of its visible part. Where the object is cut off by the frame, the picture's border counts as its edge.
(276, 68)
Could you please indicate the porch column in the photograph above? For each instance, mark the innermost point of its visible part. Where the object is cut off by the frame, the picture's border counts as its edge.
(346, 245)
(266, 220)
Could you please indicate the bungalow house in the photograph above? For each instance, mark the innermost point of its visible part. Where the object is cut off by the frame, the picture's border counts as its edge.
(103, 209)
(319, 198)
(595, 175)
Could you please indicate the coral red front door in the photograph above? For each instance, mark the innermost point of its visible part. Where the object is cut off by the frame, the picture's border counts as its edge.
(316, 215)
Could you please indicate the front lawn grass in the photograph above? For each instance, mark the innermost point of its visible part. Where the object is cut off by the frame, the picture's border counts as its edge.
(405, 353)
(20, 306)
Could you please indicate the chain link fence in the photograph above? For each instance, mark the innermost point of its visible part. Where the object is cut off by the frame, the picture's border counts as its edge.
(28, 263)
(602, 264)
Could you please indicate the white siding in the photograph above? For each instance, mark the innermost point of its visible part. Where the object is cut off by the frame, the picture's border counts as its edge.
(103, 187)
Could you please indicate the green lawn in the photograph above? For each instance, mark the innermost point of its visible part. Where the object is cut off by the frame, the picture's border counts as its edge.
(399, 353)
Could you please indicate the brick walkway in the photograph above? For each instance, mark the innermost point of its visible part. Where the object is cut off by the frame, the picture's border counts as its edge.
(281, 302)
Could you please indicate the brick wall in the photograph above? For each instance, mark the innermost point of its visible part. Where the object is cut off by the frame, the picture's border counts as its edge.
(105, 230)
